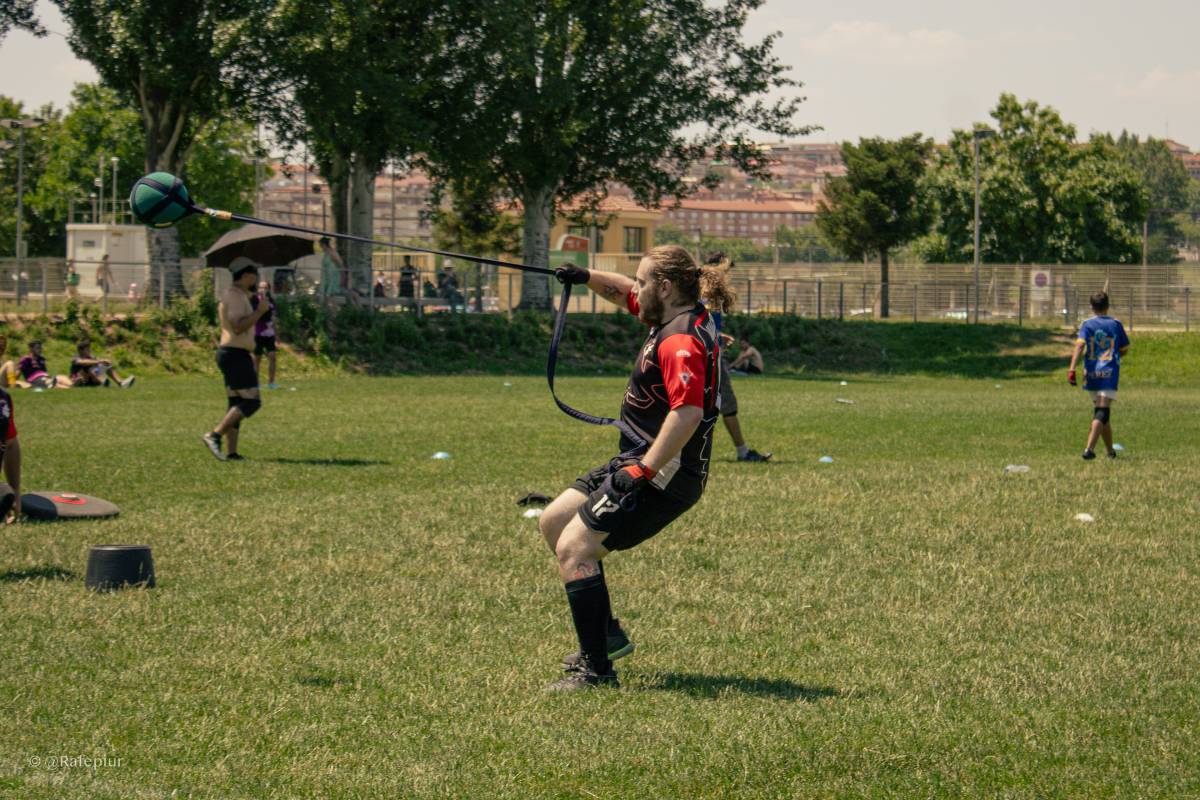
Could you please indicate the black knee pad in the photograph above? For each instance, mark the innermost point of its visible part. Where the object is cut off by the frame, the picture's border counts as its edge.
(1102, 415)
(248, 406)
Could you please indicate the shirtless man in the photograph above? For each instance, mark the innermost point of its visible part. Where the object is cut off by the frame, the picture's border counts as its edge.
(235, 359)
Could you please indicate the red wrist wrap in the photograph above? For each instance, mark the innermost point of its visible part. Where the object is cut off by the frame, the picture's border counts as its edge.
(640, 470)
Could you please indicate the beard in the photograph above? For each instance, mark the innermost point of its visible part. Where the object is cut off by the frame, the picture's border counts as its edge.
(651, 312)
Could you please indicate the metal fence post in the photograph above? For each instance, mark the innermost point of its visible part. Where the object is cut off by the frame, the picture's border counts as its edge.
(749, 295)
(1132, 292)
(1187, 309)
(785, 295)
(45, 297)
(864, 296)
(818, 299)
(916, 296)
(841, 301)
(593, 294)
(1020, 305)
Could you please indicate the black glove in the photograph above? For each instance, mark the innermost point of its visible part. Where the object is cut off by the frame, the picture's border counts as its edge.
(627, 482)
(573, 275)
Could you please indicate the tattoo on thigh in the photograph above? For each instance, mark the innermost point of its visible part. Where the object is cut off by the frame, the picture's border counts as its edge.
(587, 569)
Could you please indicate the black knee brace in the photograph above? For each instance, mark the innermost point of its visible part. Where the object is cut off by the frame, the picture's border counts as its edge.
(248, 406)
(1102, 415)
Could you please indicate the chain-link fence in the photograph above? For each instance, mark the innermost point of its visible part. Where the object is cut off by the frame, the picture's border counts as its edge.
(1157, 295)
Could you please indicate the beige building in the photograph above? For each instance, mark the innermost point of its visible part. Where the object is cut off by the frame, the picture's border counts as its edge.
(620, 226)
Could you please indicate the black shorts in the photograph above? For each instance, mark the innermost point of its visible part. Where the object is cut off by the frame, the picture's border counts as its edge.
(655, 511)
(238, 368)
(264, 344)
(729, 406)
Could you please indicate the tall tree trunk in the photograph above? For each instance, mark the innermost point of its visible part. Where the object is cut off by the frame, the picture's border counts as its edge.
(883, 284)
(362, 223)
(535, 288)
(337, 176)
(166, 274)
(163, 126)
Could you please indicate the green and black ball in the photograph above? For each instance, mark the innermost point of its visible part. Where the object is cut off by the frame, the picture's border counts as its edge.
(160, 200)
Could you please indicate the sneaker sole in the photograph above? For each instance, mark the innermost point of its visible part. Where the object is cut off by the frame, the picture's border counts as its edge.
(613, 656)
(624, 651)
(216, 454)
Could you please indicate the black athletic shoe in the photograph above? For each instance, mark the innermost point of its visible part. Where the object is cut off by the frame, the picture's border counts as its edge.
(619, 646)
(1088, 455)
(213, 442)
(1112, 453)
(754, 455)
(235, 457)
(585, 678)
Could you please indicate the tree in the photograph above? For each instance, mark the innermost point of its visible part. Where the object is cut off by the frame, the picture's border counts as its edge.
(1166, 182)
(355, 82)
(565, 96)
(178, 63)
(19, 14)
(876, 206)
(1045, 198)
(64, 157)
(470, 222)
(35, 159)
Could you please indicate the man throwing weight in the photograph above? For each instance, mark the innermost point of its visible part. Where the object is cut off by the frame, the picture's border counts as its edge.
(671, 403)
(237, 317)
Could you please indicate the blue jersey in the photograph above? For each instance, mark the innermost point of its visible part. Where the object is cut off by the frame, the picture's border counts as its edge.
(1104, 338)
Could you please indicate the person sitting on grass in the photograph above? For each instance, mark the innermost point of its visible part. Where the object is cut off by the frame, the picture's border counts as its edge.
(9, 374)
(33, 370)
(87, 370)
(749, 360)
(1102, 341)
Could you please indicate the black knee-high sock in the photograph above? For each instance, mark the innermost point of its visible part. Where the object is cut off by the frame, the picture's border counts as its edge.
(611, 619)
(590, 611)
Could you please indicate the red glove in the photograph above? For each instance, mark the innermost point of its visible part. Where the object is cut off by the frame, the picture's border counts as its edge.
(1071, 377)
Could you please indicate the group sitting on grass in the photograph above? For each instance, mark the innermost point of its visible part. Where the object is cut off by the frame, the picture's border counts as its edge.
(30, 372)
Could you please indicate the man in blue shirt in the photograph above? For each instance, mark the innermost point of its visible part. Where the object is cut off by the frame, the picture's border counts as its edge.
(1102, 341)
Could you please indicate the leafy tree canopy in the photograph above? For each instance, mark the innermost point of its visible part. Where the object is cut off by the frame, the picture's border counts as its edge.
(1045, 198)
(877, 205)
(19, 14)
(563, 97)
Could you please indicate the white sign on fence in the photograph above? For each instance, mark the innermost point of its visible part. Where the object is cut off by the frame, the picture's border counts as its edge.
(1041, 282)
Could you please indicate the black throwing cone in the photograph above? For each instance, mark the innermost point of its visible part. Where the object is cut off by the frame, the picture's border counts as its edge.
(111, 566)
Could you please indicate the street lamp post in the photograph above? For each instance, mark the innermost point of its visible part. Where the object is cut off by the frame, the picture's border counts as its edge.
(114, 161)
(20, 125)
(980, 134)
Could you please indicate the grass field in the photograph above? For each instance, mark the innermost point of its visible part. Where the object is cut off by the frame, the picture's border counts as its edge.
(342, 616)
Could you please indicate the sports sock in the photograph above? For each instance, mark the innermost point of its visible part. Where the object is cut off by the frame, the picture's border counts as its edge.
(590, 611)
(743, 449)
(611, 619)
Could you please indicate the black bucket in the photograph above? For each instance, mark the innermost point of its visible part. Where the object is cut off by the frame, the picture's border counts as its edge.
(111, 566)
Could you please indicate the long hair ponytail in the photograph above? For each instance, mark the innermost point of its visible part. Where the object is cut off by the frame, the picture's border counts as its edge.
(709, 282)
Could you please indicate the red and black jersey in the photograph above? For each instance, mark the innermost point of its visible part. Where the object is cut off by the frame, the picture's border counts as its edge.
(7, 424)
(677, 366)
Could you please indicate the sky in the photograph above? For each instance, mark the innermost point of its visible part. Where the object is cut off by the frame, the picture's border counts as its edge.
(887, 68)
